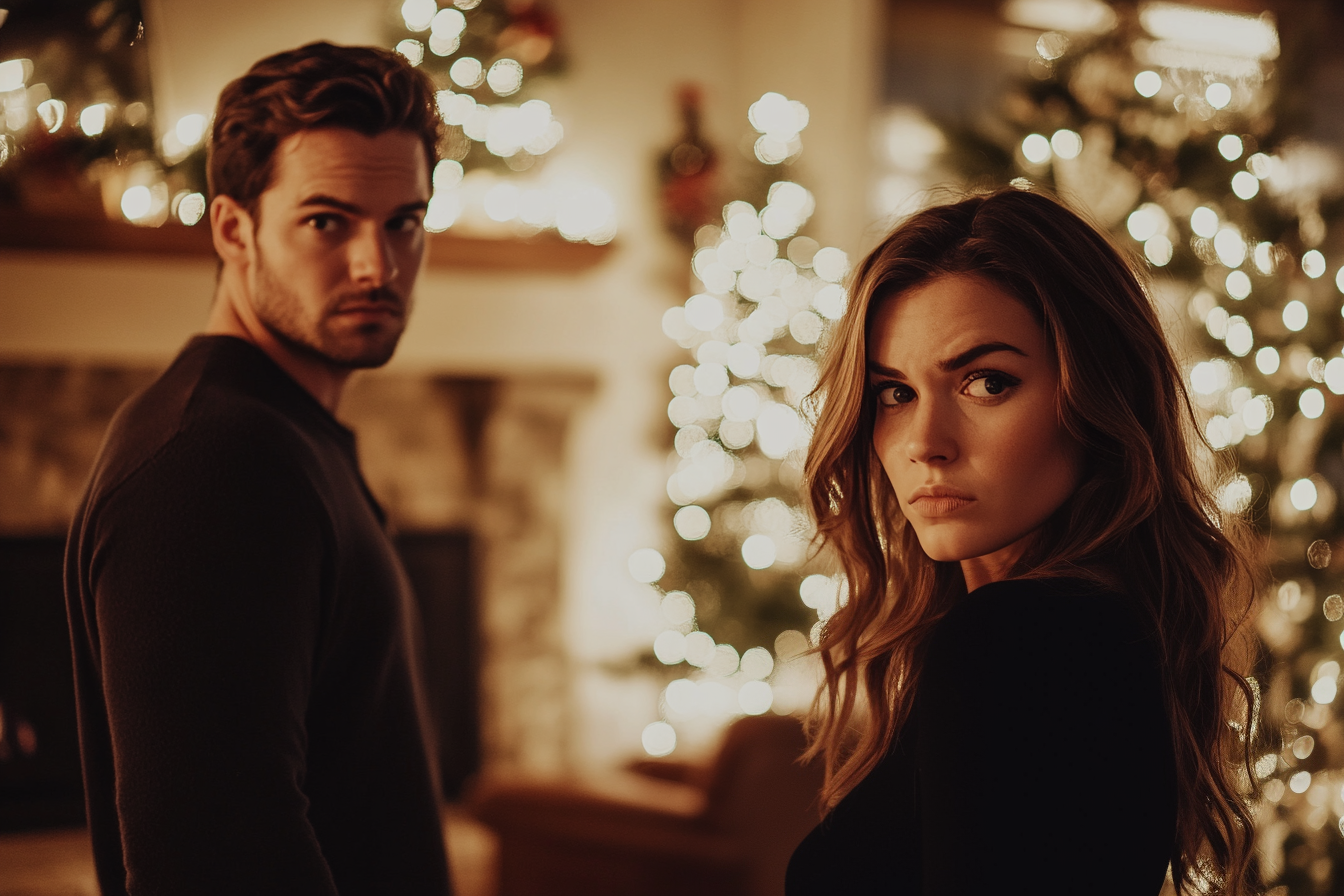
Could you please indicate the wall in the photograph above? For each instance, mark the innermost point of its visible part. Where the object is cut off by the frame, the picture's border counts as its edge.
(616, 104)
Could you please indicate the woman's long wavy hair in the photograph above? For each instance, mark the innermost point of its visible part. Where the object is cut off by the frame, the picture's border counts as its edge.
(1143, 519)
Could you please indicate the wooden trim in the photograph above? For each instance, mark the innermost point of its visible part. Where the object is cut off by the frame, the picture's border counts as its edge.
(19, 230)
(542, 253)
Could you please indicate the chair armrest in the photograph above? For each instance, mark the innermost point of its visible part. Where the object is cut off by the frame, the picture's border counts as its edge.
(616, 811)
(694, 774)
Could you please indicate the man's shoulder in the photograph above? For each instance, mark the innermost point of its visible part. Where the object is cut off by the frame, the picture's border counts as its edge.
(198, 420)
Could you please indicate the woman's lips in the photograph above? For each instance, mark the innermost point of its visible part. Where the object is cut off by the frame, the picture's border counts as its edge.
(930, 506)
(939, 500)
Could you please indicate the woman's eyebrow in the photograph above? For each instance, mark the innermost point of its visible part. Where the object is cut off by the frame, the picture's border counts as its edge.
(961, 360)
(985, 348)
(880, 369)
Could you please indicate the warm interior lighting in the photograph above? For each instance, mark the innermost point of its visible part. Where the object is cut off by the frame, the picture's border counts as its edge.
(1250, 37)
(1076, 16)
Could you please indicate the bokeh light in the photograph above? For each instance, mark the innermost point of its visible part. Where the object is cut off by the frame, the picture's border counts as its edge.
(670, 647)
(1218, 94)
(467, 72)
(1066, 144)
(1303, 494)
(1311, 403)
(1237, 284)
(94, 119)
(14, 74)
(1147, 83)
(1204, 222)
(647, 565)
(700, 649)
(136, 202)
(759, 552)
(755, 697)
(189, 207)
(1267, 360)
(659, 739)
(1295, 316)
(1245, 185)
(505, 77)
(412, 50)
(692, 522)
(1036, 149)
(52, 115)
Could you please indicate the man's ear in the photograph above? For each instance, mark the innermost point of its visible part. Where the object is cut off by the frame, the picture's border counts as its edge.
(232, 230)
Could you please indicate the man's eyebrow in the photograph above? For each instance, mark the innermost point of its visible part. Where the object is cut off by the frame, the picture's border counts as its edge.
(332, 202)
(350, 208)
(953, 363)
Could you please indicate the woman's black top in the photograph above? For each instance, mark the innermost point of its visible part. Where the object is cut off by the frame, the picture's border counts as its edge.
(1037, 759)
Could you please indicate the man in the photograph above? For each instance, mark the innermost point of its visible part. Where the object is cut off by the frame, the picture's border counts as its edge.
(249, 711)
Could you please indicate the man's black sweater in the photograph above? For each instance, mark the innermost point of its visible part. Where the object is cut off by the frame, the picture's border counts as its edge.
(249, 712)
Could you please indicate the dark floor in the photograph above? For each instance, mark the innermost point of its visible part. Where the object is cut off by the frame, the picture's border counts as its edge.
(59, 862)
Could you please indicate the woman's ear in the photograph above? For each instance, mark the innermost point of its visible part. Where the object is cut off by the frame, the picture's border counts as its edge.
(232, 230)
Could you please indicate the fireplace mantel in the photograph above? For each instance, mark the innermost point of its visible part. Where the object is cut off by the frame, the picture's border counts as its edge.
(543, 252)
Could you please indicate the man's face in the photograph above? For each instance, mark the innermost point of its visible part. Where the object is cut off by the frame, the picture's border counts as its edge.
(339, 243)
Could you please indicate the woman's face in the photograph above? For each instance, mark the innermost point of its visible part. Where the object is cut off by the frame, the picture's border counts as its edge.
(967, 426)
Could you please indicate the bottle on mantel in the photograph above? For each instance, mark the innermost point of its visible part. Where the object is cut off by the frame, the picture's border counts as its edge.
(688, 172)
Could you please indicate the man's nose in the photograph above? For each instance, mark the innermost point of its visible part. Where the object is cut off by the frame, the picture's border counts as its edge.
(931, 438)
(371, 260)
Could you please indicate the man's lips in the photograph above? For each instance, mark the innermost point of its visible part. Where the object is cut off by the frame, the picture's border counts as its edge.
(371, 309)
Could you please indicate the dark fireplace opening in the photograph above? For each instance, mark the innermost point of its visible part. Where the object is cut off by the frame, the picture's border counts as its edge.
(40, 784)
(40, 779)
(440, 567)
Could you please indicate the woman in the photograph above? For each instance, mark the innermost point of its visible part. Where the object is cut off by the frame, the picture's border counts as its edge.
(1043, 597)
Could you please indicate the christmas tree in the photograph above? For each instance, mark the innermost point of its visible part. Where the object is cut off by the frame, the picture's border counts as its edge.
(486, 56)
(75, 131)
(1171, 126)
(738, 584)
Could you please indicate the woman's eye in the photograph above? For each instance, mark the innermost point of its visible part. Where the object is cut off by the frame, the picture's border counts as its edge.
(990, 385)
(894, 395)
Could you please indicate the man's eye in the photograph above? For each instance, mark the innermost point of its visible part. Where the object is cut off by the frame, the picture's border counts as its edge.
(404, 224)
(324, 223)
(895, 394)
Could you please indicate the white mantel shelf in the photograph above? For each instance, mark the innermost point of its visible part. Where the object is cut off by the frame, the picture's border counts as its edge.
(542, 253)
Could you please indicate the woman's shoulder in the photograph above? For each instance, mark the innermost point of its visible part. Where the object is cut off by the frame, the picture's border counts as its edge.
(1042, 622)
(1015, 654)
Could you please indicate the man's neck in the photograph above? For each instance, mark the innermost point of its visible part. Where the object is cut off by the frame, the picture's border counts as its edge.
(232, 315)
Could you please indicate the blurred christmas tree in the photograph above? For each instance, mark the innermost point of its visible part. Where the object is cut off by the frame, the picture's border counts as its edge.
(1178, 128)
(486, 56)
(738, 586)
(75, 124)
(481, 52)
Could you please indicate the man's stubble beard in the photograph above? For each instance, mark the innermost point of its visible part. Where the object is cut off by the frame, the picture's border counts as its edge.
(281, 312)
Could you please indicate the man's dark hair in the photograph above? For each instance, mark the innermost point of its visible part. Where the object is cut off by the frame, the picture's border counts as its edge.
(319, 85)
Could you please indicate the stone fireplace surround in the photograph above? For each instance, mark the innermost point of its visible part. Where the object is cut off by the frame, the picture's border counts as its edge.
(443, 453)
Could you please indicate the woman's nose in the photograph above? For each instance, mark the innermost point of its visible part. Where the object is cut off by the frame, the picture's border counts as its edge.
(931, 438)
